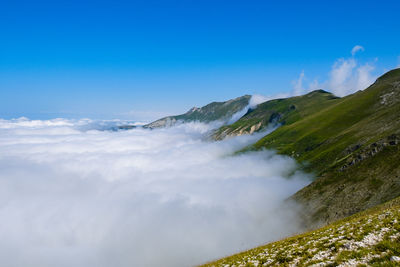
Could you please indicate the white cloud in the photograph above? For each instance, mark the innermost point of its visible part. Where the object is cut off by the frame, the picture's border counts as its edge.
(255, 100)
(340, 76)
(314, 85)
(356, 49)
(73, 197)
(398, 62)
(258, 99)
(364, 77)
(345, 77)
(298, 85)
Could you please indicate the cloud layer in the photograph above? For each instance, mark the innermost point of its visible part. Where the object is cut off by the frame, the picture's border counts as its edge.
(75, 196)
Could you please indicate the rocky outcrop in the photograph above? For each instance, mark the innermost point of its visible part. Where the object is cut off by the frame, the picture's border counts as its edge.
(227, 132)
(164, 122)
(356, 155)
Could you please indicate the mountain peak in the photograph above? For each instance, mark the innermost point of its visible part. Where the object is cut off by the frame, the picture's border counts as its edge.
(319, 91)
(390, 75)
(214, 111)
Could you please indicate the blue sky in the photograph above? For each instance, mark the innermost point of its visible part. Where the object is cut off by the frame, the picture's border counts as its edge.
(143, 59)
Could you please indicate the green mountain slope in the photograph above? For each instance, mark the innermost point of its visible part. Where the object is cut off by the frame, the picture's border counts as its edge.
(283, 111)
(212, 112)
(369, 238)
(353, 148)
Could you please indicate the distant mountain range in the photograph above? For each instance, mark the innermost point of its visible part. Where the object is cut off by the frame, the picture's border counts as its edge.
(215, 111)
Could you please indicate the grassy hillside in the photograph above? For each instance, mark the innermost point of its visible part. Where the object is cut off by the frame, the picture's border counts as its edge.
(353, 148)
(211, 112)
(283, 111)
(369, 238)
(352, 144)
(358, 119)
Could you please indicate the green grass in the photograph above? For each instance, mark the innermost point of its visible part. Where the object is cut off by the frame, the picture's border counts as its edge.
(283, 111)
(321, 136)
(369, 238)
(322, 141)
(334, 138)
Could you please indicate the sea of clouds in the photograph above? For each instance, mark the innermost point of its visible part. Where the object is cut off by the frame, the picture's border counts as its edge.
(72, 194)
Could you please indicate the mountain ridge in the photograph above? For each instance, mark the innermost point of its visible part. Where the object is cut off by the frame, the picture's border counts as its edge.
(276, 111)
(213, 111)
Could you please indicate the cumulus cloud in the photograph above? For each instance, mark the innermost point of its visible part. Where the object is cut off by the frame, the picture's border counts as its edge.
(345, 77)
(71, 195)
(356, 49)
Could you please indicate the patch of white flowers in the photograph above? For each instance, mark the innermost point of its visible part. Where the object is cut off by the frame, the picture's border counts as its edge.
(348, 244)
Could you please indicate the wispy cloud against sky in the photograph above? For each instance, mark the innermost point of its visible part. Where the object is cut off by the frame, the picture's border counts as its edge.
(346, 76)
(356, 49)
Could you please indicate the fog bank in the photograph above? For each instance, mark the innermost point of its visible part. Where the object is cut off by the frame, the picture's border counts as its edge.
(72, 195)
